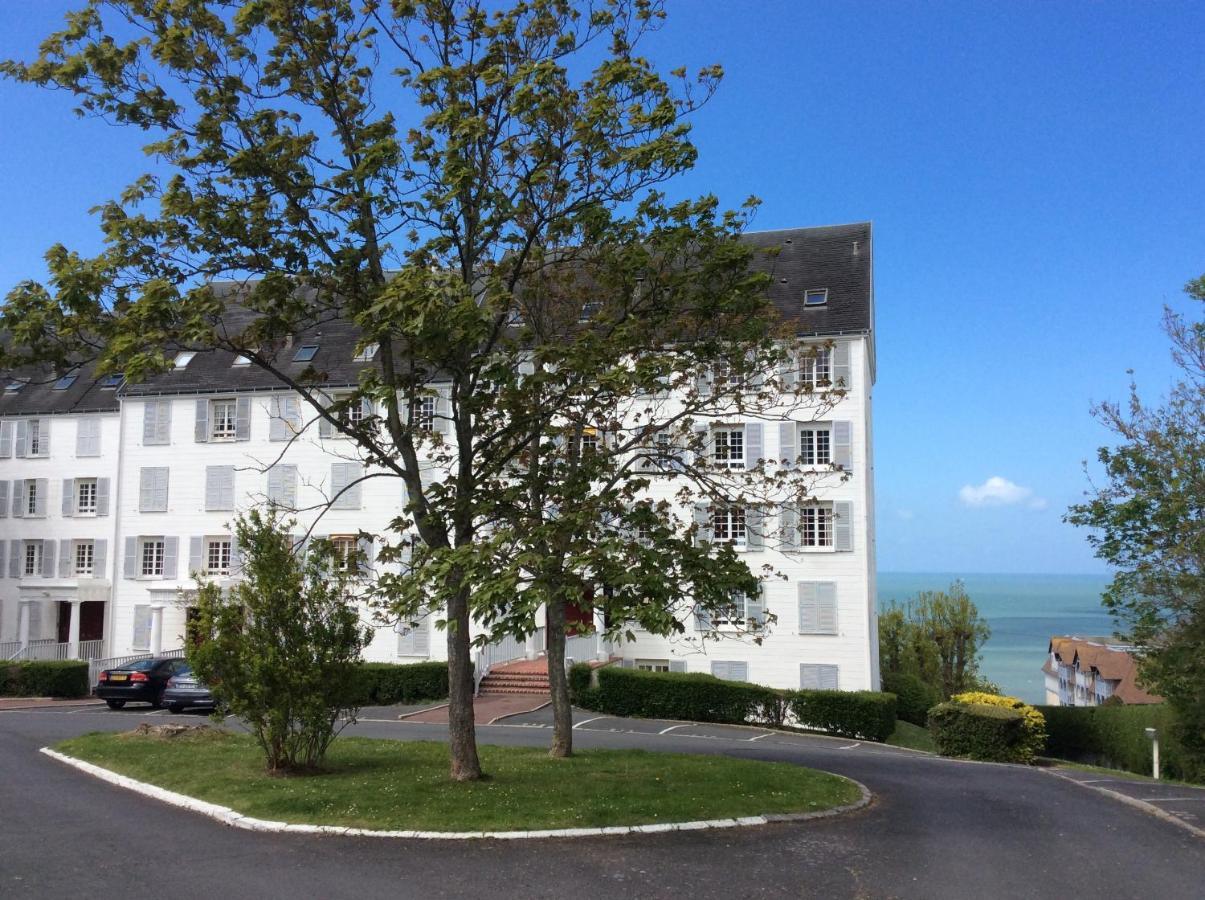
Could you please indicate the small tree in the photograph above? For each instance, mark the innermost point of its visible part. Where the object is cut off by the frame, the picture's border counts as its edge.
(937, 637)
(280, 648)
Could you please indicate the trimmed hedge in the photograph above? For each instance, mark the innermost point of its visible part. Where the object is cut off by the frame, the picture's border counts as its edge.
(382, 684)
(868, 715)
(1035, 722)
(44, 678)
(580, 692)
(979, 731)
(914, 696)
(1115, 737)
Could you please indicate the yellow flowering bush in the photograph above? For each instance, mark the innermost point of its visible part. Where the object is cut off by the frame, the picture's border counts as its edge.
(1035, 722)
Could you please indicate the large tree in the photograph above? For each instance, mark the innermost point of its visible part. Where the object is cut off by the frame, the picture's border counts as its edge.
(1148, 521)
(451, 178)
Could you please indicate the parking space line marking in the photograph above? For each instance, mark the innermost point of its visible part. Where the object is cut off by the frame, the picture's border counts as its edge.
(587, 721)
(1166, 799)
(850, 746)
(672, 727)
(760, 736)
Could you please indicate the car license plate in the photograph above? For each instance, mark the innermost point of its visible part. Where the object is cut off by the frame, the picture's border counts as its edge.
(118, 677)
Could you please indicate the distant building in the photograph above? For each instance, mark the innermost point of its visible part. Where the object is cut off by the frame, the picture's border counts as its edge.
(1088, 671)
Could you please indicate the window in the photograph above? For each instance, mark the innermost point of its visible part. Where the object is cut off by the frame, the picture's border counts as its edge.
(816, 526)
(814, 445)
(85, 556)
(13, 386)
(184, 358)
(652, 665)
(85, 496)
(152, 558)
(241, 360)
(65, 382)
(222, 420)
(728, 448)
(305, 353)
(368, 353)
(590, 309)
(424, 413)
(345, 551)
(815, 297)
(217, 556)
(31, 496)
(815, 368)
(352, 414)
(589, 441)
(722, 377)
(742, 610)
(112, 382)
(35, 440)
(33, 558)
(728, 526)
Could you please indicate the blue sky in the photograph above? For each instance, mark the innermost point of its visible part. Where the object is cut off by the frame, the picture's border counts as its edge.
(1034, 178)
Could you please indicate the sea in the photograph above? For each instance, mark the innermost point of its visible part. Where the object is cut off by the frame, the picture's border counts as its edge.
(1024, 611)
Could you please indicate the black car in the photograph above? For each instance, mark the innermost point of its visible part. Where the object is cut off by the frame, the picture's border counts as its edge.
(186, 691)
(143, 679)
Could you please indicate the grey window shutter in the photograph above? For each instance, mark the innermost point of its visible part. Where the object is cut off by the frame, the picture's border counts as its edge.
(44, 437)
(809, 677)
(755, 608)
(14, 559)
(809, 608)
(87, 437)
(129, 563)
(730, 670)
(285, 421)
(100, 557)
(201, 422)
(219, 488)
(843, 527)
(702, 514)
(142, 627)
(196, 547)
(790, 370)
(343, 495)
(43, 489)
(364, 547)
(788, 444)
(65, 560)
(68, 497)
(146, 489)
(325, 428)
(6, 439)
(755, 444)
(703, 383)
(47, 559)
(677, 665)
(156, 422)
(242, 419)
(170, 547)
(702, 619)
(702, 443)
(828, 678)
(843, 444)
(236, 555)
(789, 514)
(3, 569)
(3, 501)
(18, 498)
(627, 664)
(841, 366)
(22, 438)
(414, 639)
(754, 528)
(102, 496)
(826, 605)
(443, 412)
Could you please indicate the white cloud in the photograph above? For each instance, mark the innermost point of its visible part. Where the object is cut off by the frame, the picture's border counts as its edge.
(998, 491)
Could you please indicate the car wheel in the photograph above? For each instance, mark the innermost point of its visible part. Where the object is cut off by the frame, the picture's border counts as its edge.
(157, 703)
(115, 704)
(175, 708)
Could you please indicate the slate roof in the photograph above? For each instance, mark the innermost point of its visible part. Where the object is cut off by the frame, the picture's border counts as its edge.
(39, 398)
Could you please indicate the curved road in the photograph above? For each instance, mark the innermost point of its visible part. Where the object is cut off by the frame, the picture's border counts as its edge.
(938, 828)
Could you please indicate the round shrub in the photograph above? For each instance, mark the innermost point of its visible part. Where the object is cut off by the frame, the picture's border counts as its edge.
(1034, 721)
(914, 697)
(979, 731)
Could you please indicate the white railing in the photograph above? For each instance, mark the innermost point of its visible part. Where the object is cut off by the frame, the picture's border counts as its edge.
(52, 650)
(581, 647)
(9, 649)
(506, 649)
(96, 666)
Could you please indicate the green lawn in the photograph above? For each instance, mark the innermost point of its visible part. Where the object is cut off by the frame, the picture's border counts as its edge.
(395, 785)
(912, 736)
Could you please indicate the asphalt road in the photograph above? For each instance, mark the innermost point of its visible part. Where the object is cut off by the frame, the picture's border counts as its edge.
(937, 829)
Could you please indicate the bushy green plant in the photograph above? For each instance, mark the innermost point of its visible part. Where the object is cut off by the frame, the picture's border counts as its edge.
(44, 678)
(1035, 723)
(282, 648)
(979, 731)
(869, 715)
(382, 684)
(678, 695)
(914, 697)
(581, 693)
(1115, 736)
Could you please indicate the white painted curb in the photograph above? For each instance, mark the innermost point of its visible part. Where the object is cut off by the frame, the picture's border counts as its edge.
(228, 816)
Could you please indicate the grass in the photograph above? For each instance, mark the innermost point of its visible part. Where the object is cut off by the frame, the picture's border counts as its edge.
(911, 736)
(395, 785)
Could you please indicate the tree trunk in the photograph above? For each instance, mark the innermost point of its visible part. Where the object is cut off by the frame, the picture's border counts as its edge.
(558, 681)
(462, 732)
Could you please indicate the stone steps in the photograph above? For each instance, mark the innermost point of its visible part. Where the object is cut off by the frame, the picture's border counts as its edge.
(503, 682)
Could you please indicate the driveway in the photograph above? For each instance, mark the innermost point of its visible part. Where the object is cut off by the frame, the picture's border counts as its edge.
(938, 828)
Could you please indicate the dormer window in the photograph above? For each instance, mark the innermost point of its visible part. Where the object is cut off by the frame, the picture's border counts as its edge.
(65, 382)
(305, 353)
(184, 358)
(815, 297)
(368, 353)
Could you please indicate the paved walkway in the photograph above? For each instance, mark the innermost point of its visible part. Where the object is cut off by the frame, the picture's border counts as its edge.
(487, 709)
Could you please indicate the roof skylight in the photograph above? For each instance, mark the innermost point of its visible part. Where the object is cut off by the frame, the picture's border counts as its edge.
(368, 353)
(65, 382)
(305, 353)
(815, 297)
(184, 357)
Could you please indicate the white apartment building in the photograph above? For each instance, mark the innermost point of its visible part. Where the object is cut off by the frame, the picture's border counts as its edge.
(183, 452)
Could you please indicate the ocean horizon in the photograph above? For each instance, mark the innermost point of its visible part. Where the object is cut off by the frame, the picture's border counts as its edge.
(1024, 611)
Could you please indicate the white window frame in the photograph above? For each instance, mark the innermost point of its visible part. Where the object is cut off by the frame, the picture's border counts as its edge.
(652, 665)
(31, 563)
(729, 525)
(728, 446)
(424, 414)
(183, 358)
(86, 488)
(34, 439)
(816, 444)
(810, 293)
(368, 353)
(353, 413)
(345, 546)
(816, 521)
(157, 547)
(219, 549)
(31, 496)
(816, 367)
(83, 557)
(229, 429)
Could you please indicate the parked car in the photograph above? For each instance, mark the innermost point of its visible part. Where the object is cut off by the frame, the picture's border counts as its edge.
(143, 680)
(186, 691)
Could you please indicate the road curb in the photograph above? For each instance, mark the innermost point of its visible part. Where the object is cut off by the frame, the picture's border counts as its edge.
(1150, 808)
(228, 816)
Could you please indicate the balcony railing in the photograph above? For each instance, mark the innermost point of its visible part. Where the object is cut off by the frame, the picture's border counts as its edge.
(53, 650)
